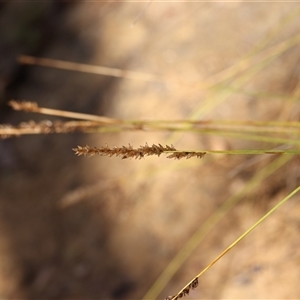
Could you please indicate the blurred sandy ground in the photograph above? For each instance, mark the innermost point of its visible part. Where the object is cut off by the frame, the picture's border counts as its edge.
(125, 220)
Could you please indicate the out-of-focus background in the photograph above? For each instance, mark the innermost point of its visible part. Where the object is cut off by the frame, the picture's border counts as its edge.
(105, 228)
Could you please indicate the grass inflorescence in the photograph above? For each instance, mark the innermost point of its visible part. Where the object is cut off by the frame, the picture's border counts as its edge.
(137, 153)
(185, 291)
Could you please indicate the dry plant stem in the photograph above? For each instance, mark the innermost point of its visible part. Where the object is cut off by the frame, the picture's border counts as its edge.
(142, 12)
(99, 70)
(33, 107)
(194, 282)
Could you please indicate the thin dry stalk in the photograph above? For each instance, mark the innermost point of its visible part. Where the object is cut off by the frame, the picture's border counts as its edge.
(99, 70)
(84, 192)
(142, 12)
(142, 151)
(33, 107)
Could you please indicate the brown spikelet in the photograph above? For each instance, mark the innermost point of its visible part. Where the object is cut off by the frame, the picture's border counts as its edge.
(194, 284)
(138, 153)
(185, 291)
(186, 154)
(5, 131)
(24, 105)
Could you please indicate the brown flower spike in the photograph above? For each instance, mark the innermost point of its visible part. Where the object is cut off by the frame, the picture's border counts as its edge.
(142, 151)
(185, 291)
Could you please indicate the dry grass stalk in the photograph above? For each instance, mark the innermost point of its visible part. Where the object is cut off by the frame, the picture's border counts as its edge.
(99, 70)
(85, 192)
(33, 107)
(142, 151)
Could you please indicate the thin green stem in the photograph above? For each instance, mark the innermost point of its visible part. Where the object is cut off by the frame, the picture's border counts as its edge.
(240, 152)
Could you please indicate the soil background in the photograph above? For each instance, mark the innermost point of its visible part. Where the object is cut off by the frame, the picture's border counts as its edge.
(105, 228)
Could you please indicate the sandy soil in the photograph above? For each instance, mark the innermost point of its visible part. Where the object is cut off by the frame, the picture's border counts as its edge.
(100, 228)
